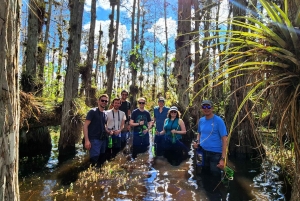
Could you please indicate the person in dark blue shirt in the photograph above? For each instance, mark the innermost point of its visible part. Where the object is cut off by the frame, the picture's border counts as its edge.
(160, 114)
(141, 123)
(94, 131)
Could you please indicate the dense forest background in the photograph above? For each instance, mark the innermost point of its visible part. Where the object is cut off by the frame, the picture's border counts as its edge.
(247, 63)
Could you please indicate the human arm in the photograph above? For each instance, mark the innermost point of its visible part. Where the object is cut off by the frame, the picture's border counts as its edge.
(197, 141)
(222, 161)
(132, 123)
(87, 143)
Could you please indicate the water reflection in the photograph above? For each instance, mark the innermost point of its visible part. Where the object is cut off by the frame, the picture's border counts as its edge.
(147, 179)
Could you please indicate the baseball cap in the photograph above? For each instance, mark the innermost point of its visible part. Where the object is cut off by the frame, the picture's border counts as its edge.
(174, 108)
(161, 99)
(207, 102)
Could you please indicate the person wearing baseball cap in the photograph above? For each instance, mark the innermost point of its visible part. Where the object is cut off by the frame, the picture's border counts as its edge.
(212, 139)
(160, 114)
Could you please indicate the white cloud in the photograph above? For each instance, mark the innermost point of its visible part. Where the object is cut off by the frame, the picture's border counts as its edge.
(159, 28)
(99, 3)
(123, 33)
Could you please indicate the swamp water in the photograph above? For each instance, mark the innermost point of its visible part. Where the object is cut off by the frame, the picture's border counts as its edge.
(142, 179)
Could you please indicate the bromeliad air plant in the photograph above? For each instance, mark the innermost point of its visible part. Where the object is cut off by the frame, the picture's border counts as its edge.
(265, 47)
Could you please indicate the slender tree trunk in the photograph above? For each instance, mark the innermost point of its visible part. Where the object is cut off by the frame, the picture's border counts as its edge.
(183, 52)
(142, 44)
(29, 76)
(9, 99)
(114, 52)
(99, 50)
(133, 60)
(87, 73)
(43, 49)
(166, 51)
(109, 54)
(60, 55)
(70, 125)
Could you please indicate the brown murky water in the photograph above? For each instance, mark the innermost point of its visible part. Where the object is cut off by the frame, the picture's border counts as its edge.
(142, 179)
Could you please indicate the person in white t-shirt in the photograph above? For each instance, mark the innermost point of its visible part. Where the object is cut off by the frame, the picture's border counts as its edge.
(115, 123)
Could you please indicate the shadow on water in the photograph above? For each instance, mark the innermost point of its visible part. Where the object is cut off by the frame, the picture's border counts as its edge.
(146, 178)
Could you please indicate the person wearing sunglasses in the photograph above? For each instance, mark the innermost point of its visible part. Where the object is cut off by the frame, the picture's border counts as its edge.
(94, 131)
(212, 139)
(174, 150)
(160, 114)
(141, 123)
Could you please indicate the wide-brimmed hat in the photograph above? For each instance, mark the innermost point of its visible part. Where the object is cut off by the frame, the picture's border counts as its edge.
(161, 99)
(174, 108)
(207, 102)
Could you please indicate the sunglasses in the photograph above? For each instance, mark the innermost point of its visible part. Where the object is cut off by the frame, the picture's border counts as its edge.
(104, 101)
(141, 102)
(206, 107)
(173, 112)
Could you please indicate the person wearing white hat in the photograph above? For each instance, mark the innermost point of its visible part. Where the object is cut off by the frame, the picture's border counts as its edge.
(174, 128)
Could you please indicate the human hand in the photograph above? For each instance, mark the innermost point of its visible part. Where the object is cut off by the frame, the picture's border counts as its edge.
(173, 131)
(87, 144)
(195, 145)
(221, 164)
(117, 132)
(141, 122)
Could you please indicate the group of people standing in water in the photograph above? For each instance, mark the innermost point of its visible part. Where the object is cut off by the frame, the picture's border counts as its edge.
(110, 129)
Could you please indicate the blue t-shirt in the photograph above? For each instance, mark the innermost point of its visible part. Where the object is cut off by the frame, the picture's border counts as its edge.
(211, 132)
(170, 125)
(160, 117)
(137, 116)
(97, 126)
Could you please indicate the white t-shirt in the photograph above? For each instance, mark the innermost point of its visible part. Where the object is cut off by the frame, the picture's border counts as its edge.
(114, 119)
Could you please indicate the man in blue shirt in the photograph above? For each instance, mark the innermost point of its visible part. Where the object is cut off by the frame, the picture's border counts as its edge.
(160, 114)
(212, 138)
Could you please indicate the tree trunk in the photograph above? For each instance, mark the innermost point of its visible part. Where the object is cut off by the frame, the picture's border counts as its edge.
(133, 60)
(166, 51)
(9, 99)
(183, 52)
(98, 56)
(29, 76)
(244, 142)
(91, 99)
(70, 125)
(293, 8)
(198, 85)
(110, 65)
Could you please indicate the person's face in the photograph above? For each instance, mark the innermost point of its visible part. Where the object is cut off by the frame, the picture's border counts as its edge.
(124, 95)
(117, 104)
(207, 110)
(141, 104)
(102, 102)
(161, 103)
(173, 113)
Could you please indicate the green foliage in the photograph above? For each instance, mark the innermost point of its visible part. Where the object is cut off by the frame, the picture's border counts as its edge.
(265, 50)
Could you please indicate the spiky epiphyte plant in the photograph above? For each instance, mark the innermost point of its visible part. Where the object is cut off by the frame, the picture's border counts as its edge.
(267, 51)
